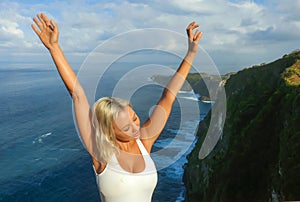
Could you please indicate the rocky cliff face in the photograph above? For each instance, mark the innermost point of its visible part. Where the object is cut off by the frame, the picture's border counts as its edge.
(258, 157)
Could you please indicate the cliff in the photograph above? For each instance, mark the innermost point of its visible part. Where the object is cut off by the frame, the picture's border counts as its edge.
(257, 158)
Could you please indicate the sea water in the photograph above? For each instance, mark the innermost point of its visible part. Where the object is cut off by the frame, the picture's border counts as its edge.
(41, 156)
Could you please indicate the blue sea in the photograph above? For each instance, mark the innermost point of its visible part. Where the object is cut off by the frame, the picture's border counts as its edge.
(41, 155)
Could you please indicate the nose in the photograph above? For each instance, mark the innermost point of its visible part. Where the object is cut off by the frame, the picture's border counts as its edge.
(135, 127)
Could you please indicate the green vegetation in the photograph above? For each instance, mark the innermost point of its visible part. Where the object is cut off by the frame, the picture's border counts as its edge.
(257, 158)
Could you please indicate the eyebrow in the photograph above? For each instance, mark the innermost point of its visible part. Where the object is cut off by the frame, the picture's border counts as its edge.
(128, 123)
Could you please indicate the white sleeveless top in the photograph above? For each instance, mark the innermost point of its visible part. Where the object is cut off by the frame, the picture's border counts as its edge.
(118, 185)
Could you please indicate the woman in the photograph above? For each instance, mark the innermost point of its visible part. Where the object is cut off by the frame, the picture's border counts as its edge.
(119, 147)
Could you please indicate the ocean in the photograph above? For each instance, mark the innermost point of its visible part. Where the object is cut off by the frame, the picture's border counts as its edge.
(42, 158)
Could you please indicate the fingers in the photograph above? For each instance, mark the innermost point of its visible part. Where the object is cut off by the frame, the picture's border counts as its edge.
(35, 29)
(42, 22)
(190, 28)
(37, 22)
(193, 37)
(44, 17)
(53, 26)
(47, 21)
(197, 36)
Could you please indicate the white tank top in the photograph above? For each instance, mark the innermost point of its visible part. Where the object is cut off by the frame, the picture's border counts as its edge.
(118, 185)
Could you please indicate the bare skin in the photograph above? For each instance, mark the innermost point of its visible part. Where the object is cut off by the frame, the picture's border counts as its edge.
(127, 125)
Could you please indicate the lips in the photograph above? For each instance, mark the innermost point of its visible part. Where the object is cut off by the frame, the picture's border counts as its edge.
(136, 134)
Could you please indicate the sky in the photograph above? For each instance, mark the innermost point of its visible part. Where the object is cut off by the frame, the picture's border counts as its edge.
(236, 33)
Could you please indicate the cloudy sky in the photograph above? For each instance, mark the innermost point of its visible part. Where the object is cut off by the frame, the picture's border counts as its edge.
(237, 33)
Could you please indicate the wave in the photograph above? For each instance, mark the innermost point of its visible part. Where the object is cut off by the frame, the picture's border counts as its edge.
(208, 101)
(189, 98)
(177, 141)
(189, 95)
(173, 153)
(41, 138)
(187, 91)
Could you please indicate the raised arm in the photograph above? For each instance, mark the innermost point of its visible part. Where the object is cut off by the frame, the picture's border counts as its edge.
(48, 33)
(155, 124)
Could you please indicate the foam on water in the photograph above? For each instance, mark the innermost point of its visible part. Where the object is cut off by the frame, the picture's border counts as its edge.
(40, 138)
(174, 172)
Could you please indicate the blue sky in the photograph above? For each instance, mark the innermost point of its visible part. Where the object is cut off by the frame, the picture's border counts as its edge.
(237, 33)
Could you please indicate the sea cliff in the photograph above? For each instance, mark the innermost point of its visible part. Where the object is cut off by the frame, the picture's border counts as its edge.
(257, 158)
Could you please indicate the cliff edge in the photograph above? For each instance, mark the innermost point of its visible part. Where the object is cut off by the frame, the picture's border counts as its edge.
(257, 158)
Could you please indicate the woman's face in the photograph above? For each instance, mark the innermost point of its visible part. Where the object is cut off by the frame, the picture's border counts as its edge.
(127, 125)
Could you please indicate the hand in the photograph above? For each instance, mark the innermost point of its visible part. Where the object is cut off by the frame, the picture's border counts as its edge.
(193, 38)
(47, 32)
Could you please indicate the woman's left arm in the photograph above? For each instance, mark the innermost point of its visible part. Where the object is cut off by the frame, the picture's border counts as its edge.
(156, 122)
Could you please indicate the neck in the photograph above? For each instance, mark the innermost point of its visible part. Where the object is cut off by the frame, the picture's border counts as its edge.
(126, 145)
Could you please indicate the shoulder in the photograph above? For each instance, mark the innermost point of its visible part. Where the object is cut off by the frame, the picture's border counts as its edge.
(147, 144)
(147, 139)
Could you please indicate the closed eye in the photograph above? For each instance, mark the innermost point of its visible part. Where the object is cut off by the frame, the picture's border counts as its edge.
(126, 129)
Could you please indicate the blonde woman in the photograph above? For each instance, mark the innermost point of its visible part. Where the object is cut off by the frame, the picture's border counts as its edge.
(111, 132)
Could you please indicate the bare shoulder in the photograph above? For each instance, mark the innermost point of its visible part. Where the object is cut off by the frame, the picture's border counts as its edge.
(147, 142)
(147, 139)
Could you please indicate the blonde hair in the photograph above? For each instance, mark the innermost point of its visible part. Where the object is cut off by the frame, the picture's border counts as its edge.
(105, 111)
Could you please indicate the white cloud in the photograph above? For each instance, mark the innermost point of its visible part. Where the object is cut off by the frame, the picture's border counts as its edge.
(9, 28)
(12, 29)
(236, 33)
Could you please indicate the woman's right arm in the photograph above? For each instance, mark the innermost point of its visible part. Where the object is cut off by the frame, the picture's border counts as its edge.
(48, 33)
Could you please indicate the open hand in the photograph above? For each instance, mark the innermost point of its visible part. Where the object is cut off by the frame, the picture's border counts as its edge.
(193, 38)
(47, 30)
